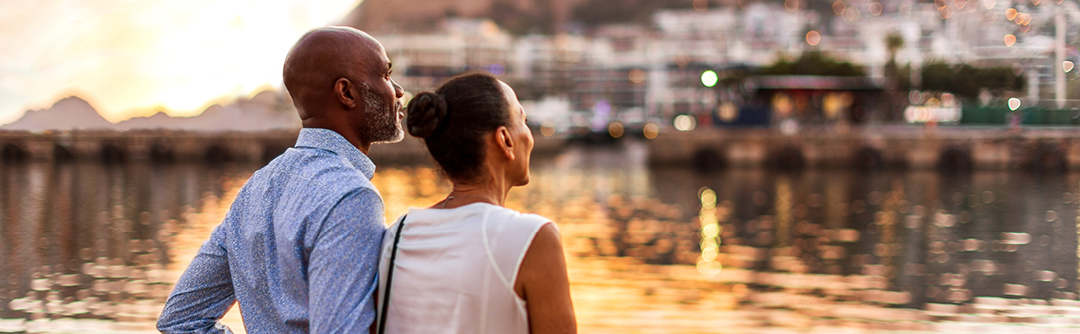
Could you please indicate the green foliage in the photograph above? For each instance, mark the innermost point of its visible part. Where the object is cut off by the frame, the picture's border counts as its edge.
(812, 63)
(903, 78)
(965, 80)
(894, 42)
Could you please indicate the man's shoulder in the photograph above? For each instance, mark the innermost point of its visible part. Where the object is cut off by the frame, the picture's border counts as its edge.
(311, 175)
(319, 166)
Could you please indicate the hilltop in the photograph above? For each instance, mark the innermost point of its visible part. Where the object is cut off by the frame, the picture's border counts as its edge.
(265, 111)
(517, 16)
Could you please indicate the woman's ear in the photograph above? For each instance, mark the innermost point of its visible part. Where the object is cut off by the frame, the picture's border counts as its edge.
(505, 142)
(343, 88)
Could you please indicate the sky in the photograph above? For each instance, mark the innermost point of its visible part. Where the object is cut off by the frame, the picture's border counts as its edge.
(133, 58)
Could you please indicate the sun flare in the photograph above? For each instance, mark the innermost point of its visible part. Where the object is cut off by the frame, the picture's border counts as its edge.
(134, 58)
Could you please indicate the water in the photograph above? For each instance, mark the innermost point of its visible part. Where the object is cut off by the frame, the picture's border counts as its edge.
(90, 247)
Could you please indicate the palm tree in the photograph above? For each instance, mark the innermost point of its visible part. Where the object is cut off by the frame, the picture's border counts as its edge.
(893, 42)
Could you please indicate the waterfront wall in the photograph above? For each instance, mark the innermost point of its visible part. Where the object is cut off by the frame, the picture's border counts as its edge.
(861, 148)
(872, 148)
(168, 146)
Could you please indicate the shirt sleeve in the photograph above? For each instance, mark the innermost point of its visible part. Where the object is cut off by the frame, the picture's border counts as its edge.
(203, 294)
(343, 265)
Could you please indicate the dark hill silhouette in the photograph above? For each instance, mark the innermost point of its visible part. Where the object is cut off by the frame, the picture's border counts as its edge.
(529, 16)
(70, 113)
(517, 16)
(265, 111)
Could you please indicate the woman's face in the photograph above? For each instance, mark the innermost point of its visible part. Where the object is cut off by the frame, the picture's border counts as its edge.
(523, 139)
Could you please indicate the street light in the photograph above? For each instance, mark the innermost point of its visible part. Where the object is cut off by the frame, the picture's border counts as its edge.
(709, 78)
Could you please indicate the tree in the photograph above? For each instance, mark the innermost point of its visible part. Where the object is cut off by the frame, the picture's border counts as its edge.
(966, 81)
(894, 97)
(812, 63)
(893, 42)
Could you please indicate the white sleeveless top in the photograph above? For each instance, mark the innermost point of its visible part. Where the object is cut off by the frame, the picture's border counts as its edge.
(455, 270)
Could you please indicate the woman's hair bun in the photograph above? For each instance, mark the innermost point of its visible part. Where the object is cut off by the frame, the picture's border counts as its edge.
(426, 111)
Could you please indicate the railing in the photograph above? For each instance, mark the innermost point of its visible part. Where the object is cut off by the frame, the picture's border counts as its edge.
(1044, 113)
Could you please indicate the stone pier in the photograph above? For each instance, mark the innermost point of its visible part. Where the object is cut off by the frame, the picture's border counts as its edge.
(166, 146)
(948, 148)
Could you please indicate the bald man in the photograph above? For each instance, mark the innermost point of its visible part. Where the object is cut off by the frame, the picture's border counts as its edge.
(299, 248)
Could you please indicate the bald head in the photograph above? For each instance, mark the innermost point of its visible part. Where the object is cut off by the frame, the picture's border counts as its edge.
(324, 55)
(339, 79)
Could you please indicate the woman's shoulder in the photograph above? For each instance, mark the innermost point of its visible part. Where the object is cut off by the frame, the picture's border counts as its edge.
(522, 217)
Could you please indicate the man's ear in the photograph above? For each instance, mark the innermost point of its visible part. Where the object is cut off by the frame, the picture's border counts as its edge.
(504, 142)
(344, 90)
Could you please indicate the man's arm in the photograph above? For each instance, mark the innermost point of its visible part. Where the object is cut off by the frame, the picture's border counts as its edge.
(343, 265)
(203, 294)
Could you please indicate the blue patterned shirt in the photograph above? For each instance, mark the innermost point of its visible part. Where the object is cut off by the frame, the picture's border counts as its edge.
(298, 250)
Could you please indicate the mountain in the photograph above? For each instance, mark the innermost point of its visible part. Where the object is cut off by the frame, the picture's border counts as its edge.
(265, 111)
(70, 113)
(518, 16)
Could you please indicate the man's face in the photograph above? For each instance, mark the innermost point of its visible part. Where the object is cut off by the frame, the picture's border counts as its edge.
(382, 103)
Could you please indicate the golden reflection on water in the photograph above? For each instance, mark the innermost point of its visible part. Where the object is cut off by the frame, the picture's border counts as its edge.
(827, 252)
(187, 240)
(611, 294)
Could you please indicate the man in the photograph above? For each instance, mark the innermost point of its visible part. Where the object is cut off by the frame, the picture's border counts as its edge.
(299, 248)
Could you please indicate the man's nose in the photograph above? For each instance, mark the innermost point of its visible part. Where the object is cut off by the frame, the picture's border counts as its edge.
(398, 91)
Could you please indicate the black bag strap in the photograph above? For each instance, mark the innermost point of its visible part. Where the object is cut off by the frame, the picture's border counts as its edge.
(390, 277)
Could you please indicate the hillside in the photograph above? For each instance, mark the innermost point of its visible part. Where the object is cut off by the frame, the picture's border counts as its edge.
(517, 16)
(264, 111)
(529, 16)
(70, 113)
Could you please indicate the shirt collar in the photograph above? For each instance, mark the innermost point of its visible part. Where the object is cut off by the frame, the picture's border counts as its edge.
(329, 140)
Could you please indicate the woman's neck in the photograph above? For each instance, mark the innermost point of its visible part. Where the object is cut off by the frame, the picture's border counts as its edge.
(465, 194)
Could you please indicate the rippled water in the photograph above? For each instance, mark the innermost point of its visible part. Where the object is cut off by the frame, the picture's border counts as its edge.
(94, 248)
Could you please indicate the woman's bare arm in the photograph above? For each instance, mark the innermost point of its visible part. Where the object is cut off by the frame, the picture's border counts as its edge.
(543, 283)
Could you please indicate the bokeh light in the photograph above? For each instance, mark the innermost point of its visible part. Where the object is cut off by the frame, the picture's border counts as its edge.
(1014, 103)
(684, 123)
(1067, 66)
(791, 5)
(876, 8)
(1023, 19)
(547, 128)
(701, 5)
(782, 104)
(813, 37)
(915, 97)
(709, 217)
(709, 78)
(852, 14)
(1010, 39)
(727, 111)
(496, 69)
(615, 129)
(636, 76)
(838, 7)
(650, 130)
(946, 13)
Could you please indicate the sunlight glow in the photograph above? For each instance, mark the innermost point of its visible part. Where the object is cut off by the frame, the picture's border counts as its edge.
(135, 58)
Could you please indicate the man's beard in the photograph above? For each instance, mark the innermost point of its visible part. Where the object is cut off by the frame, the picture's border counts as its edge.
(382, 125)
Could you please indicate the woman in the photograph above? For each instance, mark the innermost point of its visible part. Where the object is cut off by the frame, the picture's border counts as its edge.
(467, 264)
